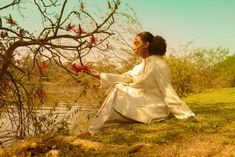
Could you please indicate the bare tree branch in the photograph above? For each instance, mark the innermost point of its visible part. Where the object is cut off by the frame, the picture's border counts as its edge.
(14, 2)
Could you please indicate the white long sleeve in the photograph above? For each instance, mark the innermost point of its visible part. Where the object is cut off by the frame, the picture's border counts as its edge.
(107, 79)
(176, 106)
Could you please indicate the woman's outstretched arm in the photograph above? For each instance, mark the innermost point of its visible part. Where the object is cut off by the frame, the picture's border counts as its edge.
(176, 106)
(107, 79)
(93, 73)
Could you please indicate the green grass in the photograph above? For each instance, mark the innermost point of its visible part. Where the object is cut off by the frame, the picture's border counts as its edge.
(210, 133)
(212, 96)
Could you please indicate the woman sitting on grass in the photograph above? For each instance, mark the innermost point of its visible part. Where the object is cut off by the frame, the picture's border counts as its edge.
(143, 94)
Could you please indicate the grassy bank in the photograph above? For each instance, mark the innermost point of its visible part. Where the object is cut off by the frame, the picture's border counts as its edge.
(210, 133)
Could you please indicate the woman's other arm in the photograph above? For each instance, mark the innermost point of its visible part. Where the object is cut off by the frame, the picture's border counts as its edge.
(107, 79)
(176, 106)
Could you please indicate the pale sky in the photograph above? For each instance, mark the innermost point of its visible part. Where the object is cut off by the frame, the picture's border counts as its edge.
(208, 23)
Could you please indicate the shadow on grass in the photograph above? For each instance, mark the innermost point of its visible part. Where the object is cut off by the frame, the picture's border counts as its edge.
(211, 119)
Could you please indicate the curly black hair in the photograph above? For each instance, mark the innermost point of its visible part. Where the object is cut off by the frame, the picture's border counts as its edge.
(157, 44)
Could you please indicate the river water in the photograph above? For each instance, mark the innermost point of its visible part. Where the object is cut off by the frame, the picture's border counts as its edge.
(76, 117)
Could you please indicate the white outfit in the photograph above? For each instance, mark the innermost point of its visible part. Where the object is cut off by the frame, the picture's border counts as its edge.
(144, 94)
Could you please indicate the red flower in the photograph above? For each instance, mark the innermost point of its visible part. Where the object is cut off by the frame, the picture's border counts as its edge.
(93, 40)
(11, 21)
(75, 68)
(42, 67)
(79, 31)
(6, 87)
(21, 33)
(84, 68)
(4, 34)
(40, 93)
(70, 27)
(78, 68)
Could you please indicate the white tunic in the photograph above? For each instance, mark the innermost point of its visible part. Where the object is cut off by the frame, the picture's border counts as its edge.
(145, 93)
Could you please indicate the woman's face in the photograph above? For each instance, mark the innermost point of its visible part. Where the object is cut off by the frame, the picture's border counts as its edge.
(139, 46)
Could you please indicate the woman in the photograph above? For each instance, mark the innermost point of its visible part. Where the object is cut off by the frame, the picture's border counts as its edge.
(143, 94)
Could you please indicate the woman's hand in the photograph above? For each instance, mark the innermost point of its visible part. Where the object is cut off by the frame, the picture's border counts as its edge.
(86, 69)
(92, 72)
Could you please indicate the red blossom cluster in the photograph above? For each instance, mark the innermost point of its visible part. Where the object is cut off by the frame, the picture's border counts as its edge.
(40, 93)
(76, 68)
(70, 27)
(42, 67)
(5, 86)
(4, 34)
(92, 42)
(11, 21)
(21, 33)
(78, 29)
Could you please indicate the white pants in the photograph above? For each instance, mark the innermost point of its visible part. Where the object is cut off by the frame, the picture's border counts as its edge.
(108, 116)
